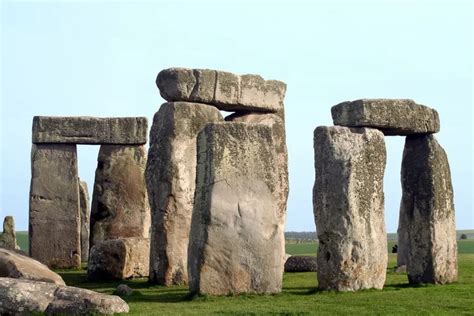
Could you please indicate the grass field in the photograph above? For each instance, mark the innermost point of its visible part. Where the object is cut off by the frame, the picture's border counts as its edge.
(301, 297)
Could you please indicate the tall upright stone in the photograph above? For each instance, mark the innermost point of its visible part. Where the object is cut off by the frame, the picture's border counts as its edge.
(236, 236)
(54, 217)
(403, 244)
(427, 203)
(277, 123)
(348, 203)
(171, 177)
(120, 206)
(84, 204)
(8, 237)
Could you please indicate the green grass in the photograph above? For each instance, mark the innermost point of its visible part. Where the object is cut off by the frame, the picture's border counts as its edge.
(22, 240)
(300, 297)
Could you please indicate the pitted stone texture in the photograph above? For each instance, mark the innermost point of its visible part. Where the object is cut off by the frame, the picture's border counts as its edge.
(301, 264)
(171, 177)
(54, 217)
(120, 205)
(391, 116)
(90, 130)
(24, 297)
(277, 123)
(16, 265)
(85, 219)
(8, 237)
(119, 259)
(227, 91)
(349, 208)
(236, 236)
(427, 201)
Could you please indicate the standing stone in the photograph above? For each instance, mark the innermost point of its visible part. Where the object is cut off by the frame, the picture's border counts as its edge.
(171, 177)
(85, 219)
(8, 237)
(403, 247)
(236, 236)
(225, 90)
(119, 259)
(277, 123)
(427, 201)
(54, 217)
(349, 208)
(120, 206)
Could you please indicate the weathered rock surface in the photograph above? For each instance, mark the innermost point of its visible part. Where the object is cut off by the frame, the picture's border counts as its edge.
(391, 116)
(54, 217)
(8, 237)
(90, 130)
(120, 205)
(18, 266)
(349, 208)
(236, 236)
(427, 201)
(119, 259)
(85, 219)
(171, 177)
(24, 297)
(403, 246)
(276, 122)
(123, 290)
(301, 264)
(227, 91)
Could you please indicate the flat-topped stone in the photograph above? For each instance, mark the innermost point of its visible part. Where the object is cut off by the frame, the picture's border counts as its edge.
(391, 116)
(90, 130)
(225, 90)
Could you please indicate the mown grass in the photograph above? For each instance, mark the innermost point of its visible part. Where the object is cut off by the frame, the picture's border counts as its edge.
(301, 297)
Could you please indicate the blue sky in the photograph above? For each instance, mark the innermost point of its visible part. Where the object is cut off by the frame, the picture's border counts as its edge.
(100, 58)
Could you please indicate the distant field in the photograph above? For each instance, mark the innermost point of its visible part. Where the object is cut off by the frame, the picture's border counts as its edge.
(464, 246)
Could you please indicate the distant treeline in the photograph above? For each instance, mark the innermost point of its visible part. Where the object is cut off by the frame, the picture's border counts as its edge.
(301, 236)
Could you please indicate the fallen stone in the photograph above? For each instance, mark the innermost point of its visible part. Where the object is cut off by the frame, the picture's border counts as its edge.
(119, 259)
(54, 216)
(391, 116)
(90, 130)
(18, 266)
(123, 290)
(301, 264)
(76, 301)
(401, 269)
(85, 220)
(24, 297)
(171, 177)
(120, 206)
(349, 208)
(236, 236)
(427, 201)
(8, 237)
(226, 91)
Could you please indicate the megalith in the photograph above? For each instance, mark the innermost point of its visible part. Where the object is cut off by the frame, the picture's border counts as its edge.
(171, 177)
(225, 90)
(8, 237)
(348, 204)
(84, 204)
(119, 259)
(427, 203)
(54, 216)
(236, 236)
(120, 206)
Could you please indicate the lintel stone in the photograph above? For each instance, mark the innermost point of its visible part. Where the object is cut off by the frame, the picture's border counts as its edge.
(90, 130)
(391, 116)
